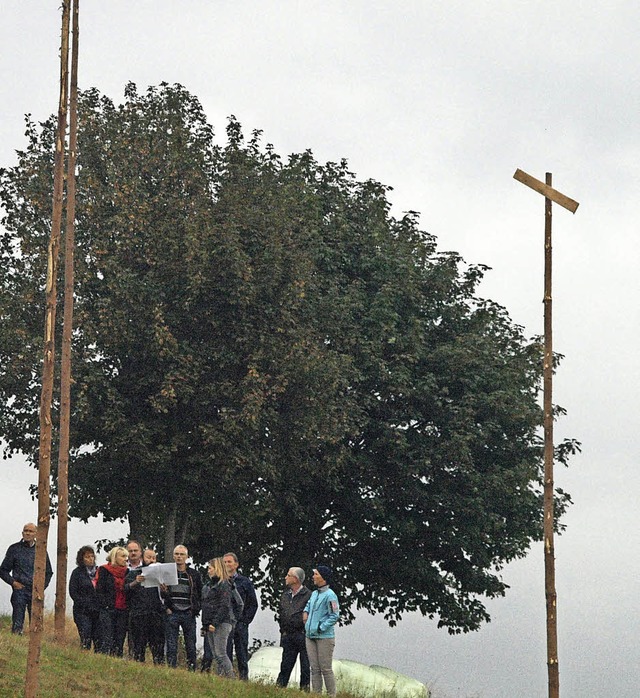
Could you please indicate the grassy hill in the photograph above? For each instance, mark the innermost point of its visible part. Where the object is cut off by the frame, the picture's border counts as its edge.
(66, 672)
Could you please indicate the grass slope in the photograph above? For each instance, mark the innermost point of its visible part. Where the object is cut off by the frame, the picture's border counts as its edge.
(66, 671)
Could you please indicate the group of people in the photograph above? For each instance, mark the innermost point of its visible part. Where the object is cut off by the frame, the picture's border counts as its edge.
(111, 603)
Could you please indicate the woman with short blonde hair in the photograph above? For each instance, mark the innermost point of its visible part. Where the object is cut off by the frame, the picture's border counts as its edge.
(114, 615)
(111, 555)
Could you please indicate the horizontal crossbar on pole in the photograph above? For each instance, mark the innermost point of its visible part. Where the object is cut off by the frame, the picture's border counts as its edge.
(546, 190)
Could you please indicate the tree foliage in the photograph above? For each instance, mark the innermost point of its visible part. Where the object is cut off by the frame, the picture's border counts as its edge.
(266, 360)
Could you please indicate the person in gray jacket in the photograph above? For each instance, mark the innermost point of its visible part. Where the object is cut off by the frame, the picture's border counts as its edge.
(217, 615)
(292, 639)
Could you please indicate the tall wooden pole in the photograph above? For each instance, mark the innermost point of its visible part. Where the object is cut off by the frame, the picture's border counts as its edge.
(550, 195)
(67, 328)
(44, 456)
(548, 532)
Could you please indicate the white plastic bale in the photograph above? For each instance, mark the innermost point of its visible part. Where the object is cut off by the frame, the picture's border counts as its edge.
(354, 677)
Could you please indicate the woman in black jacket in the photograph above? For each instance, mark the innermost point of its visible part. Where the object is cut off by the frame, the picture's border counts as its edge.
(82, 590)
(114, 616)
(217, 617)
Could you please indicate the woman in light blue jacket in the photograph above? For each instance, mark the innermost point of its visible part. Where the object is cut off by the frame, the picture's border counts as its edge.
(320, 616)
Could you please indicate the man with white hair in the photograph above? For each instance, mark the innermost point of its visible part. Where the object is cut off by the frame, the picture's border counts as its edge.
(182, 603)
(292, 640)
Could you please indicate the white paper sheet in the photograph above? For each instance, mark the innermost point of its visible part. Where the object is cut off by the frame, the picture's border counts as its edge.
(160, 573)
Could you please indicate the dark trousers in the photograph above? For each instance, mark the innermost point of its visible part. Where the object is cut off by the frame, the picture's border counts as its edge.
(207, 654)
(147, 629)
(293, 644)
(239, 640)
(112, 631)
(173, 622)
(21, 604)
(88, 628)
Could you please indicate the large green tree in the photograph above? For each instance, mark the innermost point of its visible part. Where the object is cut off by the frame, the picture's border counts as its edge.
(266, 360)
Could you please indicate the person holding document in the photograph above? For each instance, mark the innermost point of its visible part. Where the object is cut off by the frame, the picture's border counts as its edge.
(146, 612)
(182, 604)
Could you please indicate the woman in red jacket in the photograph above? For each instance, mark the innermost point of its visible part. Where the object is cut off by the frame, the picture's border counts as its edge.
(114, 616)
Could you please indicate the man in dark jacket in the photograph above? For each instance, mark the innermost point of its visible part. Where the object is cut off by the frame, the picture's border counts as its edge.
(182, 603)
(239, 638)
(17, 571)
(146, 613)
(292, 604)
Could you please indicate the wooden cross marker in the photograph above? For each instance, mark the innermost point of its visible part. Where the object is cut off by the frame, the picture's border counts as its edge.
(550, 195)
(547, 191)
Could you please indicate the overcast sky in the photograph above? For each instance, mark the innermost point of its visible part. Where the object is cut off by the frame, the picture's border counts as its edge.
(442, 101)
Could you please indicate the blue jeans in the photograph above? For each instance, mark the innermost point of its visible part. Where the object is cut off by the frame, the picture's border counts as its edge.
(293, 644)
(21, 603)
(173, 622)
(239, 639)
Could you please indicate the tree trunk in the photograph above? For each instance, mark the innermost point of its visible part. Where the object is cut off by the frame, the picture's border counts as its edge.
(137, 523)
(170, 533)
(44, 456)
(65, 377)
(184, 529)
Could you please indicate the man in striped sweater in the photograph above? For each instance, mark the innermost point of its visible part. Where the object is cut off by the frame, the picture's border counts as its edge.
(182, 603)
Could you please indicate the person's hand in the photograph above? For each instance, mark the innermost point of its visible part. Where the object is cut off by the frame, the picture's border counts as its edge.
(16, 585)
(163, 588)
(140, 578)
(212, 629)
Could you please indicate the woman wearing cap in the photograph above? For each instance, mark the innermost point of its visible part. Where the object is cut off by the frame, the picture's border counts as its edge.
(320, 616)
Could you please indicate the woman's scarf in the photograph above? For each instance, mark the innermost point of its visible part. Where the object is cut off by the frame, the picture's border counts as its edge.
(91, 571)
(118, 572)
